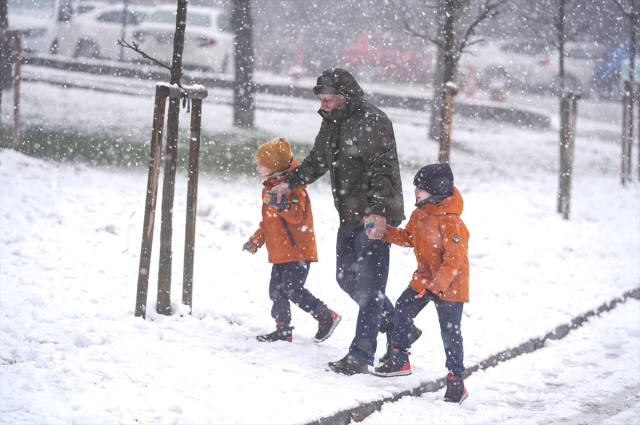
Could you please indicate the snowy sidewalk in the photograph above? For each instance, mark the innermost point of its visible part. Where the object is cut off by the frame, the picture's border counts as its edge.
(592, 376)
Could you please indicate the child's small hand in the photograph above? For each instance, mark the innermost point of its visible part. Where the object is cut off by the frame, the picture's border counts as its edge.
(248, 246)
(376, 226)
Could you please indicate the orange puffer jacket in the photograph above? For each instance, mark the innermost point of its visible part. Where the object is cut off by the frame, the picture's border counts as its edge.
(288, 234)
(440, 242)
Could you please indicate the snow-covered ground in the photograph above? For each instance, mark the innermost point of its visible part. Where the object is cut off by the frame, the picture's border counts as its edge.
(72, 351)
(590, 377)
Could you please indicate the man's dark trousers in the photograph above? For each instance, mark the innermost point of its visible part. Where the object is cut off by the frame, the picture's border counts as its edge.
(287, 284)
(449, 314)
(361, 271)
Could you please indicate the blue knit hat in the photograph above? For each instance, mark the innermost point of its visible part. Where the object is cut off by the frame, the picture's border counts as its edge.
(437, 179)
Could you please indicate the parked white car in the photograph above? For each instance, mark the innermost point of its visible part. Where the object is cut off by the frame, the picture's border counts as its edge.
(41, 21)
(208, 38)
(95, 33)
(579, 69)
(507, 62)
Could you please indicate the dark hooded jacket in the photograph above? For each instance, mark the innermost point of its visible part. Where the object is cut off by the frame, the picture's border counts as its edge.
(357, 145)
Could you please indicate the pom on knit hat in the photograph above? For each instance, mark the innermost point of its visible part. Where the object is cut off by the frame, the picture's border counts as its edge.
(275, 154)
(436, 179)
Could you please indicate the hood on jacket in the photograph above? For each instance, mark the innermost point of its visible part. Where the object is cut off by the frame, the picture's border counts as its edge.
(339, 81)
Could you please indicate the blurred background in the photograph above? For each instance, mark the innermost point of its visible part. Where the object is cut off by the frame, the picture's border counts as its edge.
(367, 37)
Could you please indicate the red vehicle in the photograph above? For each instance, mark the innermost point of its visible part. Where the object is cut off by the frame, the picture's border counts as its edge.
(389, 57)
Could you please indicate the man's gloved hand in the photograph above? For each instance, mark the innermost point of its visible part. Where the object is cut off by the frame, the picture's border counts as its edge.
(375, 225)
(248, 246)
(272, 199)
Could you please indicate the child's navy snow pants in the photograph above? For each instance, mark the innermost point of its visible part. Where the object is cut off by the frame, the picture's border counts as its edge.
(287, 284)
(449, 314)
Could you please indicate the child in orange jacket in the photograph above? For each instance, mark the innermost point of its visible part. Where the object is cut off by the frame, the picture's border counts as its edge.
(287, 230)
(440, 242)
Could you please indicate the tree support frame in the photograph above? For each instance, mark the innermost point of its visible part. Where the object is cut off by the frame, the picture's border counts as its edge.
(174, 94)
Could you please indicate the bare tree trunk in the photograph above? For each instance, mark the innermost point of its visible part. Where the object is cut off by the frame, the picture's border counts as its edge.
(446, 63)
(168, 188)
(5, 48)
(633, 89)
(178, 42)
(561, 42)
(244, 89)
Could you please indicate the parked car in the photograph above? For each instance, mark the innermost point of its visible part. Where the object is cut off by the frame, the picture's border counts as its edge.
(506, 62)
(389, 56)
(41, 21)
(95, 33)
(83, 6)
(208, 38)
(579, 68)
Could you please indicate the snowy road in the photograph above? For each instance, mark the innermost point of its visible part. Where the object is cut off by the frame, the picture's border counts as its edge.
(589, 377)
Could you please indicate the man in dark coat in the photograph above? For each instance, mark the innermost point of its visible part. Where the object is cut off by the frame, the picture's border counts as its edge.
(356, 145)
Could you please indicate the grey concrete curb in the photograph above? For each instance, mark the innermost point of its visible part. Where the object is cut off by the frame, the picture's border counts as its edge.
(522, 117)
(359, 413)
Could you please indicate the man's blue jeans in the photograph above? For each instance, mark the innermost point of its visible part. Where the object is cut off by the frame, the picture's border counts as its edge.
(449, 314)
(362, 269)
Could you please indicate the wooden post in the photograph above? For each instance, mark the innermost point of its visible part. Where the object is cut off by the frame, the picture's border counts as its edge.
(150, 204)
(445, 137)
(192, 202)
(166, 223)
(625, 131)
(568, 117)
(564, 136)
(16, 91)
(573, 114)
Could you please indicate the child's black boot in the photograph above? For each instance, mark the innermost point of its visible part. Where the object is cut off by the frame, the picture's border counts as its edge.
(414, 337)
(397, 364)
(327, 322)
(456, 392)
(283, 332)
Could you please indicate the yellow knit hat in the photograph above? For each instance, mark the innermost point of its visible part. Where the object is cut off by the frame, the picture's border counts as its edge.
(275, 154)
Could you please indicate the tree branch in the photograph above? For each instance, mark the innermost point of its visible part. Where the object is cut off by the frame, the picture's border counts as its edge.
(425, 36)
(626, 13)
(488, 12)
(135, 47)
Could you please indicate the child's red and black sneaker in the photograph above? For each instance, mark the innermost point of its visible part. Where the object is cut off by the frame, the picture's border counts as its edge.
(396, 365)
(327, 322)
(456, 392)
(283, 332)
(415, 334)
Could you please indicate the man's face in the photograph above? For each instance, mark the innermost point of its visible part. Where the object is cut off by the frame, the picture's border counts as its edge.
(331, 102)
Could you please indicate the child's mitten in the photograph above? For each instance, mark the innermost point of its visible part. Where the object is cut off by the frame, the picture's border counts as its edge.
(250, 247)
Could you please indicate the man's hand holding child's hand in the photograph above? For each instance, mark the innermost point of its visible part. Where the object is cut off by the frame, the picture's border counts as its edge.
(281, 191)
(376, 226)
(271, 197)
